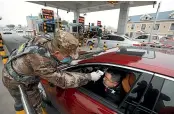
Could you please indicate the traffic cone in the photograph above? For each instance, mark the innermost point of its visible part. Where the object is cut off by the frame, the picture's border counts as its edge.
(20, 112)
(93, 43)
(44, 111)
(84, 43)
(80, 44)
(43, 108)
(104, 46)
(0, 36)
(1, 40)
(1, 43)
(2, 52)
(19, 109)
(90, 47)
(4, 59)
(117, 45)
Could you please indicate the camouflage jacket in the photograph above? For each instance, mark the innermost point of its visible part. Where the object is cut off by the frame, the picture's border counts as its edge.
(37, 65)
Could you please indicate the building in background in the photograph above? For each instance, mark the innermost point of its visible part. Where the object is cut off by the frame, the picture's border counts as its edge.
(143, 24)
(32, 22)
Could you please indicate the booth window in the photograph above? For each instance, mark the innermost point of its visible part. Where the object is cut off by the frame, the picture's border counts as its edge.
(143, 27)
(172, 26)
(156, 26)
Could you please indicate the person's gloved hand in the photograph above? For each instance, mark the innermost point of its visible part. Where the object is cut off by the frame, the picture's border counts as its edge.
(74, 62)
(96, 75)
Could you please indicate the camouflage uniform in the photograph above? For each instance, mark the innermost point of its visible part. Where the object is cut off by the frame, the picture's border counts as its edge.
(35, 65)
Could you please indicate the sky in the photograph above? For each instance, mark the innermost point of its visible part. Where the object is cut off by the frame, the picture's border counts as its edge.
(15, 12)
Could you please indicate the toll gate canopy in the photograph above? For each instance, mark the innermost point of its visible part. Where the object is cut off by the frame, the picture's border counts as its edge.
(93, 6)
(90, 6)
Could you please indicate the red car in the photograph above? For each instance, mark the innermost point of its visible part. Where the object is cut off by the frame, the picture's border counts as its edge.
(147, 79)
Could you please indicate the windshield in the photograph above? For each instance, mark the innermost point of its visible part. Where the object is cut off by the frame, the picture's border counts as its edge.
(88, 55)
(127, 37)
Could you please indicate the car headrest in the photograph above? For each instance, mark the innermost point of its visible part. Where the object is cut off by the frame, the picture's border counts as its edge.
(128, 81)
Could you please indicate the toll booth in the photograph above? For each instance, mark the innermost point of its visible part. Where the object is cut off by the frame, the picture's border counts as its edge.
(75, 28)
(48, 23)
(94, 30)
(46, 27)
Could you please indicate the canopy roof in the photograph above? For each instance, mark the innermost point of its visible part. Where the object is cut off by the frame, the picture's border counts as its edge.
(89, 6)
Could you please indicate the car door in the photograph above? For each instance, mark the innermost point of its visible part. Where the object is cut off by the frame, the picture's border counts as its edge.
(155, 39)
(142, 39)
(149, 94)
(114, 41)
(72, 100)
(77, 102)
(152, 94)
(86, 99)
(117, 41)
(104, 40)
(95, 40)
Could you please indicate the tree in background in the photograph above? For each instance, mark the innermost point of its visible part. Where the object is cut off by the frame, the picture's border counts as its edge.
(10, 26)
(19, 26)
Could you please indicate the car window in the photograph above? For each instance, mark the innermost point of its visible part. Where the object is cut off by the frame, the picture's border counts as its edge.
(105, 37)
(142, 37)
(116, 38)
(150, 95)
(127, 37)
(166, 97)
(98, 87)
(155, 37)
(95, 36)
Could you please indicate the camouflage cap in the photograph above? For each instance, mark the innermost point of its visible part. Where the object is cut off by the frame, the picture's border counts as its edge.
(66, 43)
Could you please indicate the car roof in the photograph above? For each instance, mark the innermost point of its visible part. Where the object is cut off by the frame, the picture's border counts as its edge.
(154, 61)
(152, 35)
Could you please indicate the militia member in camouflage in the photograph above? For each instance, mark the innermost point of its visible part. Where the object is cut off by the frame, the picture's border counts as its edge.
(40, 58)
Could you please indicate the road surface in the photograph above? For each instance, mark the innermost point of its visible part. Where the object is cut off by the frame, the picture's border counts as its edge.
(7, 103)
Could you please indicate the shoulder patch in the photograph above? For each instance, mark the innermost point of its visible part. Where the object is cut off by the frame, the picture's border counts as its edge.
(21, 48)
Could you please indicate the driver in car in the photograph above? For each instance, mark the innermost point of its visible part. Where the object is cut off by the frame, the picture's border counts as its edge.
(114, 91)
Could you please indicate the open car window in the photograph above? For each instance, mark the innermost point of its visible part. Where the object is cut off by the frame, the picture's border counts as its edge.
(98, 87)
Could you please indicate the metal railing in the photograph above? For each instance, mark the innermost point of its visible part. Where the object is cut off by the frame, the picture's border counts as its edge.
(27, 106)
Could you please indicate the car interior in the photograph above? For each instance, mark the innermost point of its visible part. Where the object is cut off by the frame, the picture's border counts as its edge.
(127, 79)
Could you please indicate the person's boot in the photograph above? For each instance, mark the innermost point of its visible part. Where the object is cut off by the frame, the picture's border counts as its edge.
(43, 108)
(44, 111)
(19, 109)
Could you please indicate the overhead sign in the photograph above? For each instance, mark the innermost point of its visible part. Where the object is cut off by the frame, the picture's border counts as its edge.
(98, 23)
(81, 19)
(47, 14)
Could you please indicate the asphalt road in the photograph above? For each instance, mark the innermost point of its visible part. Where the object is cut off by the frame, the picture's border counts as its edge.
(12, 41)
(6, 101)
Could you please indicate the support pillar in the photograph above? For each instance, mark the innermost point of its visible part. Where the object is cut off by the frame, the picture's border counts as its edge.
(76, 16)
(123, 17)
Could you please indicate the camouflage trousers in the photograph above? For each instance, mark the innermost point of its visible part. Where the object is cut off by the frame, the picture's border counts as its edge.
(32, 92)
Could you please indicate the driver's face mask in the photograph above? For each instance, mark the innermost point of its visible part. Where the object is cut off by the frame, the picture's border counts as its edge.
(66, 60)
